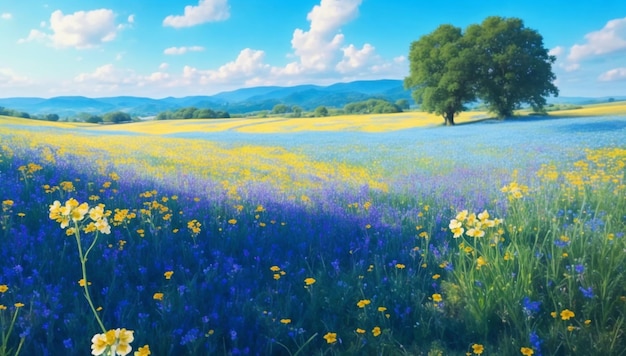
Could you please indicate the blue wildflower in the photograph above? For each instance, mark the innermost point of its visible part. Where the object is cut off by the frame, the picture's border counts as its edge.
(530, 307)
(587, 292)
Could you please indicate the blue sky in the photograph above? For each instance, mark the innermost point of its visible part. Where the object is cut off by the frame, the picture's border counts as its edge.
(163, 48)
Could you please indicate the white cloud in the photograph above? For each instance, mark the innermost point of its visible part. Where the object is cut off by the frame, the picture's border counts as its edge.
(206, 11)
(182, 50)
(613, 75)
(6, 16)
(163, 66)
(611, 38)
(248, 66)
(556, 51)
(131, 19)
(319, 47)
(8, 78)
(82, 29)
(107, 74)
(355, 59)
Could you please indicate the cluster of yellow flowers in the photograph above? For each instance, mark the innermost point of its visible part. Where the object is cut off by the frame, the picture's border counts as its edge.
(116, 342)
(73, 211)
(515, 190)
(475, 224)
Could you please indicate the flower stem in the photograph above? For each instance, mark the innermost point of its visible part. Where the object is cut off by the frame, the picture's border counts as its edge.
(83, 265)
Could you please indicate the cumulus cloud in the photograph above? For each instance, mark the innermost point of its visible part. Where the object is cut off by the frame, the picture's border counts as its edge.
(6, 16)
(182, 50)
(616, 74)
(82, 29)
(611, 38)
(246, 67)
(107, 74)
(8, 78)
(205, 11)
(556, 51)
(355, 59)
(318, 47)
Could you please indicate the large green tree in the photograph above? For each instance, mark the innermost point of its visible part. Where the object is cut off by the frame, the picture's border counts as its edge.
(441, 74)
(499, 61)
(513, 68)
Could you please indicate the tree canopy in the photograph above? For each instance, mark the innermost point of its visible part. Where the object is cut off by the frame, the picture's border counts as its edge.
(499, 61)
(372, 106)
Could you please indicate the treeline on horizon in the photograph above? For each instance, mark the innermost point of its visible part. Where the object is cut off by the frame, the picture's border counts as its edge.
(370, 106)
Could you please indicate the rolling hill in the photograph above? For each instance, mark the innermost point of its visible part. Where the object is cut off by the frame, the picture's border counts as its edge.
(237, 101)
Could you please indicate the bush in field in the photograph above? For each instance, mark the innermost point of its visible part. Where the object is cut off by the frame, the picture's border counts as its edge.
(116, 117)
(372, 106)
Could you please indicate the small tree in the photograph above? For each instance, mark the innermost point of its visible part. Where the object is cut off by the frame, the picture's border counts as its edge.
(296, 111)
(280, 109)
(52, 117)
(94, 119)
(116, 117)
(321, 111)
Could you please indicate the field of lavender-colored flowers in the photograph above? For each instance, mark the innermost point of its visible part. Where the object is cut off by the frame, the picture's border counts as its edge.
(495, 237)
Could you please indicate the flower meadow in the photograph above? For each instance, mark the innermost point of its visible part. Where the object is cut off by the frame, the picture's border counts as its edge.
(491, 238)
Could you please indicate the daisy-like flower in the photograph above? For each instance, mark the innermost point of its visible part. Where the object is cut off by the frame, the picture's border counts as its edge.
(462, 215)
(376, 331)
(567, 314)
(309, 281)
(437, 298)
(478, 349)
(475, 232)
(97, 212)
(143, 351)
(527, 351)
(116, 341)
(330, 338)
(456, 226)
(103, 226)
(363, 302)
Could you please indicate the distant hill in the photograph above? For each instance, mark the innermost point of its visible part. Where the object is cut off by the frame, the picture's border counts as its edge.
(235, 102)
(238, 101)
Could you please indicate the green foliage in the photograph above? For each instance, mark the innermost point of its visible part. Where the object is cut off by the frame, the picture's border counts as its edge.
(94, 119)
(52, 117)
(441, 72)
(296, 111)
(513, 67)
(403, 104)
(10, 112)
(372, 106)
(320, 111)
(280, 109)
(192, 113)
(500, 61)
(116, 117)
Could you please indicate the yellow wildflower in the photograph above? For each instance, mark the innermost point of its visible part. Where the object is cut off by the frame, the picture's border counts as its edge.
(376, 331)
(309, 281)
(3, 288)
(527, 351)
(330, 338)
(567, 314)
(157, 296)
(363, 302)
(478, 349)
(168, 274)
(437, 297)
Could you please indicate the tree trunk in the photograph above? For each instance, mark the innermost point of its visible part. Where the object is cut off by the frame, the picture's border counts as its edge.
(449, 118)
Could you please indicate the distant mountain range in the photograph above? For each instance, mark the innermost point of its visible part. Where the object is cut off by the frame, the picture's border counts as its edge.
(237, 101)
